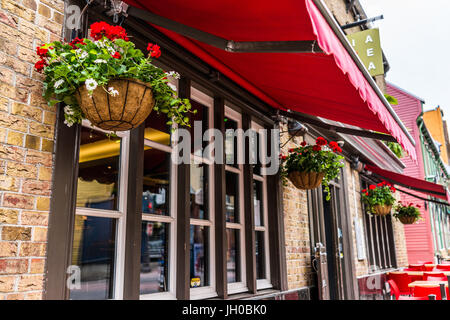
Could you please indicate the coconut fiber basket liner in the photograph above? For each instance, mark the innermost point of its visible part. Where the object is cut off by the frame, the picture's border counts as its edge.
(122, 112)
(382, 210)
(306, 180)
(407, 220)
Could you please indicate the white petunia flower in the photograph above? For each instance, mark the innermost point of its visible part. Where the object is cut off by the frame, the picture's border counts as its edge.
(113, 92)
(91, 84)
(173, 87)
(173, 74)
(58, 83)
(111, 50)
(68, 123)
(100, 61)
(68, 110)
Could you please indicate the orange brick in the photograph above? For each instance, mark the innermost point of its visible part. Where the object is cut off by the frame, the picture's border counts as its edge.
(13, 266)
(30, 283)
(37, 265)
(7, 283)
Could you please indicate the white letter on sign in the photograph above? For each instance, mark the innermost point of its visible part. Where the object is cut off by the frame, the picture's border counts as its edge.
(369, 39)
(371, 66)
(370, 52)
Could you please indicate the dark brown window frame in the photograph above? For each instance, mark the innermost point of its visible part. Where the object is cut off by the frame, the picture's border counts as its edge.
(62, 212)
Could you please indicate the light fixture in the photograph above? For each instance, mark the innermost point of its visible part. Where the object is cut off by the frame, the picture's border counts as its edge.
(295, 128)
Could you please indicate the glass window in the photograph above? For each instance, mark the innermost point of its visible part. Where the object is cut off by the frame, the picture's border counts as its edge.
(93, 251)
(232, 197)
(258, 202)
(260, 255)
(233, 255)
(98, 173)
(199, 271)
(156, 181)
(154, 257)
(199, 191)
(202, 116)
(231, 144)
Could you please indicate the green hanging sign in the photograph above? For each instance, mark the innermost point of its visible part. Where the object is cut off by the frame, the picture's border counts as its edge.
(367, 45)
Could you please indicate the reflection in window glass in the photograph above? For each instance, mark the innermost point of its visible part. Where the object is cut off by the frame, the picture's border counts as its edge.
(202, 115)
(154, 257)
(260, 258)
(257, 165)
(98, 174)
(156, 187)
(233, 254)
(199, 191)
(231, 142)
(258, 203)
(231, 197)
(93, 252)
(199, 256)
(156, 129)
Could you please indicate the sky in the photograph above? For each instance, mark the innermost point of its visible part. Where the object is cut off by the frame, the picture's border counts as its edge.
(415, 37)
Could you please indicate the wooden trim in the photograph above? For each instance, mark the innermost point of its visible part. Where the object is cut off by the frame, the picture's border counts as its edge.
(62, 208)
(249, 218)
(277, 247)
(346, 223)
(183, 215)
(132, 266)
(219, 205)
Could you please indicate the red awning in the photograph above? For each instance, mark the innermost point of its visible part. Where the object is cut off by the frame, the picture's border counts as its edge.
(328, 84)
(428, 188)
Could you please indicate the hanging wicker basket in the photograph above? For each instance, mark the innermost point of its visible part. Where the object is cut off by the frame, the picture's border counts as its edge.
(306, 180)
(382, 210)
(122, 112)
(407, 220)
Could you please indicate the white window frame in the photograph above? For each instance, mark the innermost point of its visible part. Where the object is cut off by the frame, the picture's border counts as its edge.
(119, 214)
(241, 286)
(266, 282)
(209, 291)
(170, 294)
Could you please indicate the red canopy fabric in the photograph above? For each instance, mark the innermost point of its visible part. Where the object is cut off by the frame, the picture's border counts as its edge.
(429, 188)
(329, 84)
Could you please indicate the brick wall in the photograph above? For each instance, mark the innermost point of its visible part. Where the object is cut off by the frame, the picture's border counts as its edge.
(26, 144)
(296, 226)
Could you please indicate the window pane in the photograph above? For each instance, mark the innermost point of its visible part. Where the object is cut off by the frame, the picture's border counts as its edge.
(258, 202)
(233, 256)
(154, 257)
(156, 182)
(202, 115)
(257, 165)
(232, 197)
(231, 142)
(260, 255)
(199, 191)
(199, 256)
(98, 174)
(93, 252)
(156, 128)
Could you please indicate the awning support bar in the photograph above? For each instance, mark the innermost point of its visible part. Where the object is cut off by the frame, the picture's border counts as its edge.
(350, 131)
(307, 46)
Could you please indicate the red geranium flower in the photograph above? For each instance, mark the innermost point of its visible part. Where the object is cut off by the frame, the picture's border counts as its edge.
(317, 147)
(154, 50)
(99, 29)
(320, 141)
(41, 52)
(116, 55)
(418, 206)
(76, 41)
(337, 149)
(333, 144)
(393, 189)
(291, 150)
(303, 143)
(40, 65)
(367, 193)
(364, 190)
(380, 184)
(372, 186)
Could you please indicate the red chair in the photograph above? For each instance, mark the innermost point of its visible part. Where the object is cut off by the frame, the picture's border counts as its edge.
(401, 280)
(425, 262)
(417, 267)
(396, 292)
(427, 276)
(428, 268)
(421, 291)
(410, 269)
